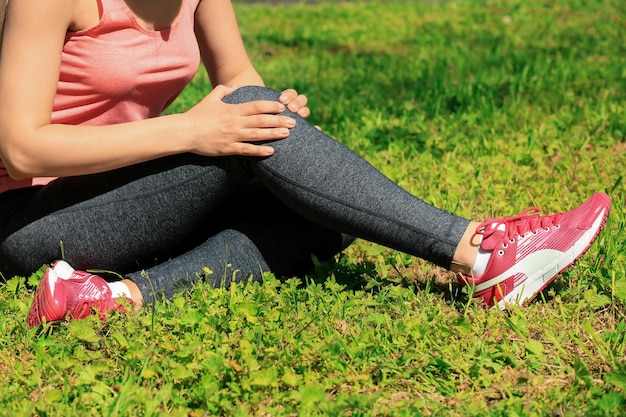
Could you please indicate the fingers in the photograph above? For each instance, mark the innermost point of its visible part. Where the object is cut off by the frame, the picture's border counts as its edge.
(265, 115)
(289, 99)
(256, 121)
(265, 121)
(288, 96)
(262, 134)
(295, 102)
(259, 107)
(243, 149)
(248, 149)
(261, 120)
(304, 112)
(249, 108)
(239, 129)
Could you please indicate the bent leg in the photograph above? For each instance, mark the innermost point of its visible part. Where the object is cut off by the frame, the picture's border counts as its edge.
(261, 235)
(324, 181)
(172, 217)
(287, 241)
(123, 220)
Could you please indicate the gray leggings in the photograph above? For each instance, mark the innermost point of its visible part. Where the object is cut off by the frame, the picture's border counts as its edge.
(169, 222)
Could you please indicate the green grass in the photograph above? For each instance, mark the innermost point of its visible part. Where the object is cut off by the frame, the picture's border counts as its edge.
(479, 107)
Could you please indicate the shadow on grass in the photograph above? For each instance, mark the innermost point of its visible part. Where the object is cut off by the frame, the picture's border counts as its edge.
(363, 276)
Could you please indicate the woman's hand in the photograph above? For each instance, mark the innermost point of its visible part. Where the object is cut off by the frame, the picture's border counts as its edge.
(296, 103)
(220, 129)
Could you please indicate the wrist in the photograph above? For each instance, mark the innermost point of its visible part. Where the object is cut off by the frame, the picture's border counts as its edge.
(180, 137)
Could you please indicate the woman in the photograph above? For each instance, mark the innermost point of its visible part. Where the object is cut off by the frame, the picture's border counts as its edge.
(238, 185)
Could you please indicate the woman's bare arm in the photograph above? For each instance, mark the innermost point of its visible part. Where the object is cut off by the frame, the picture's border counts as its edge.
(224, 54)
(30, 146)
(222, 49)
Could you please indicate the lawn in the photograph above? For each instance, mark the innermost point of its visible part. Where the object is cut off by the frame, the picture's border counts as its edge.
(479, 107)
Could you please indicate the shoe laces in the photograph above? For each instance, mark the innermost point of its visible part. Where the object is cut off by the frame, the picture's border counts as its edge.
(528, 221)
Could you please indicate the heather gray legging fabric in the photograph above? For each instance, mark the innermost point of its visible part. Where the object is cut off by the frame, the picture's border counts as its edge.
(164, 222)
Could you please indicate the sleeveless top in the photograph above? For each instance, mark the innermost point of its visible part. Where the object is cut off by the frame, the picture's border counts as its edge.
(118, 71)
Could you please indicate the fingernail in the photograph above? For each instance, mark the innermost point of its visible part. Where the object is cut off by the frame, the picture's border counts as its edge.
(281, 108)
(283, 98)
(284, 132)
(291, 122)
(293, 107)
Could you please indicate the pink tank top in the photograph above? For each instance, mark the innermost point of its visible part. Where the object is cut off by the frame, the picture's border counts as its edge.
(118, 72)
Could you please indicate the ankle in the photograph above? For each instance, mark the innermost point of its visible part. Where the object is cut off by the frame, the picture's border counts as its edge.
(465, 255)
(135, 293)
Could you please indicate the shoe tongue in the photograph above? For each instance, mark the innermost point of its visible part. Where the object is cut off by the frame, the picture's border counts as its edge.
(63, 270)
(494, 234)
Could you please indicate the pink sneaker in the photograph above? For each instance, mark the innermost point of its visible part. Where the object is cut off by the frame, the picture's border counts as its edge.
(529, 251)
(65, 293)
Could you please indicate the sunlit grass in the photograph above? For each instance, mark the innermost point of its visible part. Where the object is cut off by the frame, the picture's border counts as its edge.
(479, 107)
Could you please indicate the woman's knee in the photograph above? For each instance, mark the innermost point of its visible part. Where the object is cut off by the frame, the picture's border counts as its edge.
(251, 93)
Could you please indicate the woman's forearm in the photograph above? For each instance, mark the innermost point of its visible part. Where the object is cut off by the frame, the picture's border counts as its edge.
(212, 128)
(62, 150)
